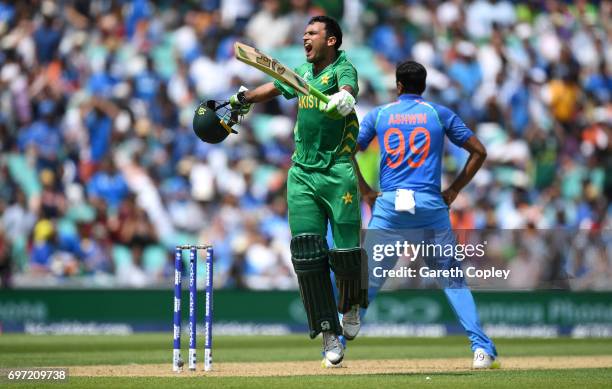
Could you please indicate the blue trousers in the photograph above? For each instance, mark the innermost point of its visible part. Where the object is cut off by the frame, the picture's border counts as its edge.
(429, 225)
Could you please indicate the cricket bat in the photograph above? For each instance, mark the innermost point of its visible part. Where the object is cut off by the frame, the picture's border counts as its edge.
(253, 57)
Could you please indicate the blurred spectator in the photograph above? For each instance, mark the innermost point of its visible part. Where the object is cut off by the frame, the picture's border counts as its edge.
(43, 246)
(179, 86)
(300, 14)
(96, 251)
(17, 220)
(98, 117)
(268, 28)
(465, 69)
(390, 40)
(481, 15)
(599, 84)
(52, 198)
(186, 214)
(564, 95)
(134, 229)
(49, 34)
(146, 83)
(42, 139)
(108, 185)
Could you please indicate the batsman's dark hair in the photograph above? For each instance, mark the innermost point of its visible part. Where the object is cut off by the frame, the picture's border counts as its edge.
(412, 75)
(332, 28)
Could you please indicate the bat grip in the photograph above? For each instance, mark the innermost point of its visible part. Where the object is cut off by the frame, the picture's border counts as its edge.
(318, 94)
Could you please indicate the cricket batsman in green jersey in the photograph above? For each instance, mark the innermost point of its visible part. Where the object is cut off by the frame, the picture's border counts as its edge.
(322, 186)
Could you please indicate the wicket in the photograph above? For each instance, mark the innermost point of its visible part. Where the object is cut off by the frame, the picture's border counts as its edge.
(177, 361)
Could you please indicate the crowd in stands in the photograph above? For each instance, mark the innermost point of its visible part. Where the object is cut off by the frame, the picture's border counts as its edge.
(101, 174)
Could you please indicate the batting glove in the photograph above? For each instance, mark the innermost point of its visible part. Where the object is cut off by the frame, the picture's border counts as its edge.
(238, 102)
(341, 103)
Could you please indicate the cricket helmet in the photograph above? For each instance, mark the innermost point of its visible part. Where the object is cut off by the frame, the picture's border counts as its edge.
(213, 121)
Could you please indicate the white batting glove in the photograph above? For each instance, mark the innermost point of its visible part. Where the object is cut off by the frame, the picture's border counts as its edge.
(341, 103)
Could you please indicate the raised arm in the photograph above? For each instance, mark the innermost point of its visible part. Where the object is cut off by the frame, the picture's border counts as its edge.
(262, 93)
(244, 99)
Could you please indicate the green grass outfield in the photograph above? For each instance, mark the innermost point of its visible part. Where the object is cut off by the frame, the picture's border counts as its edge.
(20, 351)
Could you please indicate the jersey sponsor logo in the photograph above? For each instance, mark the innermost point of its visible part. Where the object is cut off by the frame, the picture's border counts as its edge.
(408, 118)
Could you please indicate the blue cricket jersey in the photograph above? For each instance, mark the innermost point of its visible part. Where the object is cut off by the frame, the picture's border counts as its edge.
(411, 136)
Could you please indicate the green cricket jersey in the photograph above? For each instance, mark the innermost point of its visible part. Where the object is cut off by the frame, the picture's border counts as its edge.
(319, 139)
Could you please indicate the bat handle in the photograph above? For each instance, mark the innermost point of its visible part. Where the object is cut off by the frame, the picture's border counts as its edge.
(318, 94)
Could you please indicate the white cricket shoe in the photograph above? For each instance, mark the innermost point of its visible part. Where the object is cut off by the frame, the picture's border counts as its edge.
(328, 365)
(332, 348)
(482, 360)
(351, 323)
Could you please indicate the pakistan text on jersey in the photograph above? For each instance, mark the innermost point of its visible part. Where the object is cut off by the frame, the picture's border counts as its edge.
(308, 102)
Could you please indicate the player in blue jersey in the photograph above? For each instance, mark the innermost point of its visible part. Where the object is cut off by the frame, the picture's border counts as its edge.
(411, 134)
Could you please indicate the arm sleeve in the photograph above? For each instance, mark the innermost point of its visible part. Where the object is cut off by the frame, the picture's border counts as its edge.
(454, 127)
(347, 75)
(367, 129)
(287, 91)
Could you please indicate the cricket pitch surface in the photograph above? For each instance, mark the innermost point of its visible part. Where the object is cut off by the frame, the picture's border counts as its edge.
(385, 366)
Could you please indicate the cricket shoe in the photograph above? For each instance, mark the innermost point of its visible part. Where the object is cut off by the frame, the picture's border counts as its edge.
(482, 360)
(351, 323)
(327, 364)
(332, 348)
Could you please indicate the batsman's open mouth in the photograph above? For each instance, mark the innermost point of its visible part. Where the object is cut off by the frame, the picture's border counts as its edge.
(307, 48)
